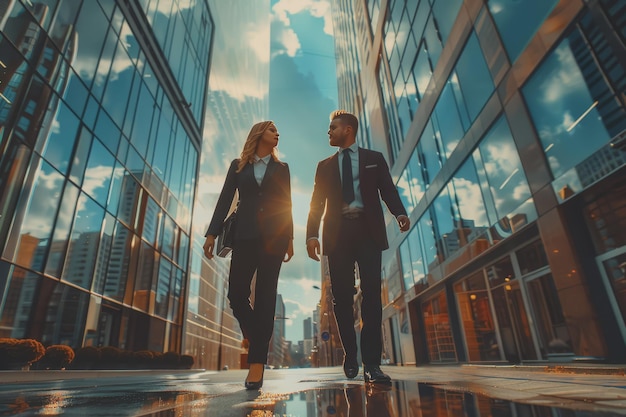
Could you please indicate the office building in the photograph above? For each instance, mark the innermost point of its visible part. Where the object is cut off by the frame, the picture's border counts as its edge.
(503, 123)
(102, 108)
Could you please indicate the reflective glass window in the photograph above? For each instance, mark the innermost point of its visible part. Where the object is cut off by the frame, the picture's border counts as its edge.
(564, 110)
(60, 142)
(405, 261)
(32, 227)
(104, 65)
(422, 71)
(116, 97)
(474, 77)
(428, 148)
(119, 263)
(445, 12)
(163, 288)
(104, 254)
(99, 172)
(91, 27)
(107, 132)
(507, 183)
(151, 220)
(79, 161)
(429, 244)
(82, 253)
(63, 310)
(168, 237)
(518, 21)
(447, 120)
(183, 250)
(469, 207)
(143, 120)
(64, 21)
(403, 186)
(433, 41)
(75, 94)
(146, 266)
(61, 234)
(445, 227)
(176, 295)
(129, 198)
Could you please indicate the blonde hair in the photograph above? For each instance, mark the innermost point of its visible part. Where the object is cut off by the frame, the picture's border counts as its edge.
(249, 148)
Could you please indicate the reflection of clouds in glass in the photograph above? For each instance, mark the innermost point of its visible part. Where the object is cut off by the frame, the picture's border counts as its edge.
(500, 160)
(43, 204)
(95, 178)
(565, 80)
(470, 201)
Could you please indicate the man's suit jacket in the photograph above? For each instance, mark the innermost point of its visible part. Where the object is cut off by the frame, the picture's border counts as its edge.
(264, 210)
(376, 183)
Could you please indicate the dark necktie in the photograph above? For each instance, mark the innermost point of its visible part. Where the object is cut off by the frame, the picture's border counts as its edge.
(347, 186)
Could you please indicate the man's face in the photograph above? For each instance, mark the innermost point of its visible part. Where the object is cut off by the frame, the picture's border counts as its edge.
(338, 133)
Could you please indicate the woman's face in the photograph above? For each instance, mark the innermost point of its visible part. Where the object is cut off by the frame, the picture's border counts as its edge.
(269, 137)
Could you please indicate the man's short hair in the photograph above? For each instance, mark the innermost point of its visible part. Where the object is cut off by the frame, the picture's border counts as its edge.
(347, 118)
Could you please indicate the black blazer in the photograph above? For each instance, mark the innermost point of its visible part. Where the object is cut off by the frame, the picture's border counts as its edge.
(376, 183)
(264, 211)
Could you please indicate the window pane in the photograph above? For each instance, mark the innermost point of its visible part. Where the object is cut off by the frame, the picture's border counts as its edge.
(428, 148)
(447, 120)
(62, 231)
(564, 110)
(517, 21)
(33, 228)
(474, 77)
(503, 169)
(82, 253)
(60, 142)
(98, 173)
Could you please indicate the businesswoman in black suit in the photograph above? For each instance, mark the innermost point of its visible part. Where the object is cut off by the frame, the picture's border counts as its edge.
(263, 239)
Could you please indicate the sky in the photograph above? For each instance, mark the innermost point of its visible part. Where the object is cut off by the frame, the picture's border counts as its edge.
(303, 92)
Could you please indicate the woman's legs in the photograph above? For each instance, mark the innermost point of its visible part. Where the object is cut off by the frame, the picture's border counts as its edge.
(257, 321)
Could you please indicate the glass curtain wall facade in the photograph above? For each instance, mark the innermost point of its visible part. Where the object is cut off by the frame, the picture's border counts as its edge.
(101, 119)
(504, 124)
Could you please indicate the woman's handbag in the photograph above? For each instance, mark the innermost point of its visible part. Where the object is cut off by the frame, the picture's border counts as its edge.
(226, 238)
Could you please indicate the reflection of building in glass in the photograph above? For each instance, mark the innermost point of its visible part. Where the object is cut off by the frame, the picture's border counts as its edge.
(514, 191)
(100, 136)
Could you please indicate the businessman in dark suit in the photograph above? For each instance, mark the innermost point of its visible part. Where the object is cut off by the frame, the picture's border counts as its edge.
(347, 192)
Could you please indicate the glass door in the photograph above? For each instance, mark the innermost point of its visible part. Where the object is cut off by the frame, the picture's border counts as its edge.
(612, 266)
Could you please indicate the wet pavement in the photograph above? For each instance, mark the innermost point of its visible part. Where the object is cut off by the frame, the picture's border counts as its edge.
(461, 390)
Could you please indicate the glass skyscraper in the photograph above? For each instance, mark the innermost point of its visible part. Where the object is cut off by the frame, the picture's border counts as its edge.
(504, 126)
(102, 107)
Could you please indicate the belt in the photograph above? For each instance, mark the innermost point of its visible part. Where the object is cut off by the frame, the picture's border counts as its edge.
(351, 215)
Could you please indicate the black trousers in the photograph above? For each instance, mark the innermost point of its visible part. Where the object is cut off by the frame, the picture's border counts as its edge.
(355, 247)
(256, 321)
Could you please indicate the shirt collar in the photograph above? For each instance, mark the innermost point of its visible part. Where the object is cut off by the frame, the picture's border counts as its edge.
(265, 159)
(354, 148)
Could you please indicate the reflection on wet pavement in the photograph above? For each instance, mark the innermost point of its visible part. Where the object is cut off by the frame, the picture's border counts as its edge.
(403, 398)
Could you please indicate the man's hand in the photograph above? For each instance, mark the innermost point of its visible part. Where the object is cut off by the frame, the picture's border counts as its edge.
(403, 222)
(313, 249)
(209, 243)
(289, 253)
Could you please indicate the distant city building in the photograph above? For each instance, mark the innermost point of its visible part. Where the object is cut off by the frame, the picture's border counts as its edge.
(502, 123)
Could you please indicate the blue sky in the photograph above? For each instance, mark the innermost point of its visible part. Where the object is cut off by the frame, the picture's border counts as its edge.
(303, 92)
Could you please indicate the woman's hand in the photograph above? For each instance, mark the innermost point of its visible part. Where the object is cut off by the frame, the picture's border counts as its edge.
(289, 253)
(209, 243)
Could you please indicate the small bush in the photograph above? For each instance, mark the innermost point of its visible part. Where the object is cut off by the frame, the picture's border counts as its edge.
(85, 357)
(17, 353)
(56, 357)
(170, 360)
(186, 361)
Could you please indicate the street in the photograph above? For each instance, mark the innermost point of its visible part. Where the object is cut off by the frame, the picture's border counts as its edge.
(463, 390)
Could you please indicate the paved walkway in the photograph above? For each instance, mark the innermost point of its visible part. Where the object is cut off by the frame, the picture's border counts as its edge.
(594, 390)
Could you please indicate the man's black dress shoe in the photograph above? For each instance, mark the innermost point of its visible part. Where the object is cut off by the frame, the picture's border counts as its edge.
(374, 375)
(351, 369)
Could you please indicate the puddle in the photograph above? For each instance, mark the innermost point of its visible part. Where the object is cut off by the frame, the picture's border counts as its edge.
(402, 399)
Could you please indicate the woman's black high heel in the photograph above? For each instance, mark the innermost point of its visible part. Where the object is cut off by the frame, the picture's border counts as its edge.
(252, 385)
